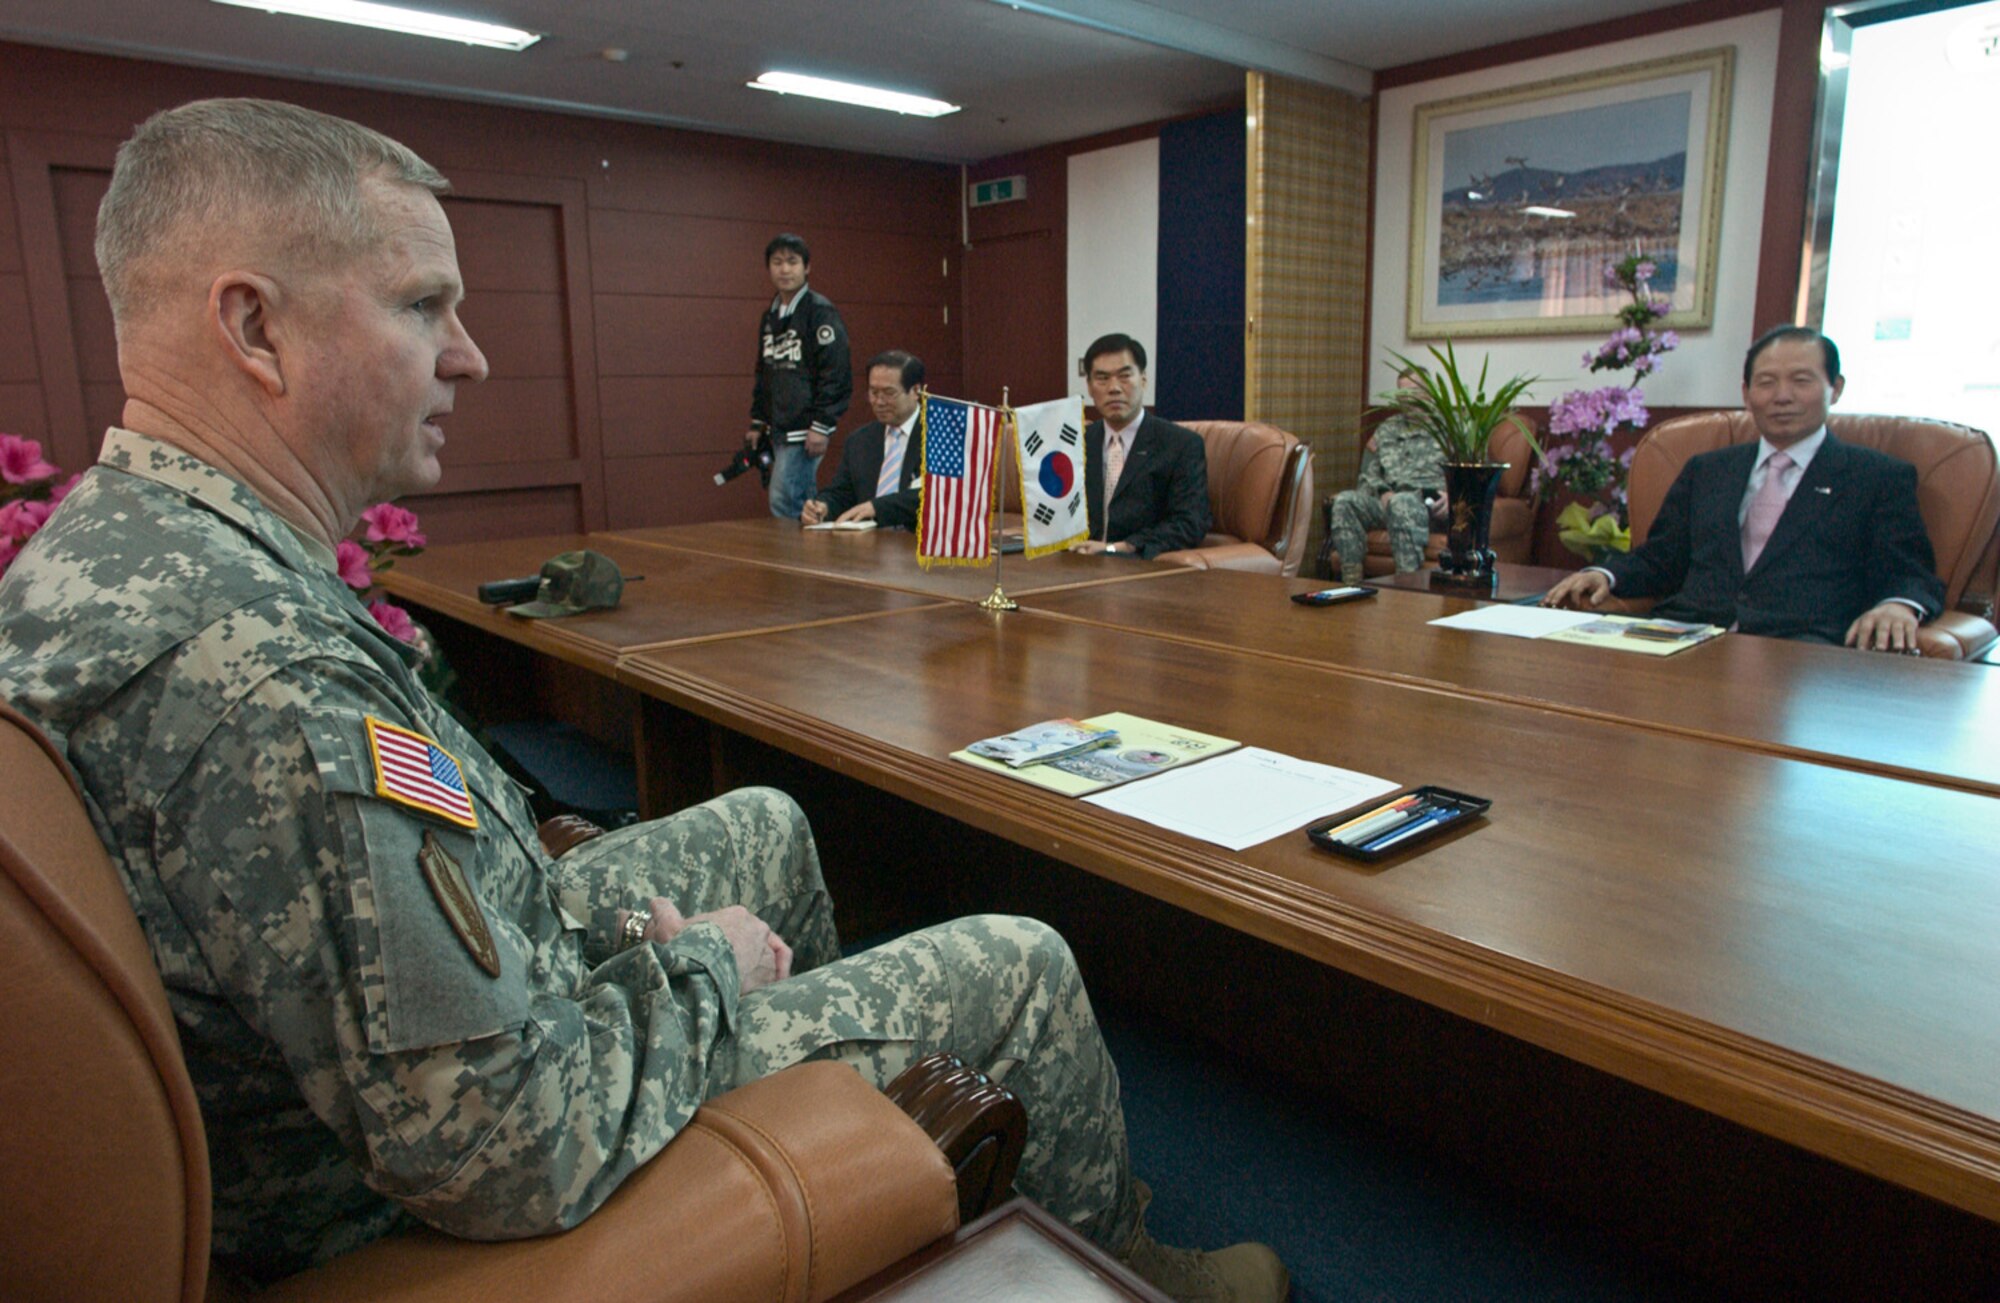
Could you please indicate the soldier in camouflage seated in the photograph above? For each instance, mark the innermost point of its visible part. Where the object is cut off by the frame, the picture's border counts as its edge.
(1400, 489)
(392, 1003)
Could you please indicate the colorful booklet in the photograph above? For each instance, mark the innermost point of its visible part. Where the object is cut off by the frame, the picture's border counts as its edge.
(1144, 747)
(1041, 743)
(1632, 633)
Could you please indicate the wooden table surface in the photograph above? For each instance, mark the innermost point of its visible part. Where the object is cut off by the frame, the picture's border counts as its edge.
(888, 557)
(1809, 950)
(684, 595)
(1516, 581)
(1934, 721)
(1755, 876)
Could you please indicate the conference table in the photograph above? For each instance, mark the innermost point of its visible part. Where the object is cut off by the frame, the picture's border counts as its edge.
(1754, 876)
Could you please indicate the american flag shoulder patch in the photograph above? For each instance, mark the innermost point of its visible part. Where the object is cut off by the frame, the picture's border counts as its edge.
(412, 770)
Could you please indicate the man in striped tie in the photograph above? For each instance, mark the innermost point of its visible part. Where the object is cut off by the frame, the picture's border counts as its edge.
(879, 465)
(1795, 536)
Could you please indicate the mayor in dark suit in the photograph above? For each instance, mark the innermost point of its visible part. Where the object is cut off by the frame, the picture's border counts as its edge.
(1795, 536)
(879, 464)
(1158, 471)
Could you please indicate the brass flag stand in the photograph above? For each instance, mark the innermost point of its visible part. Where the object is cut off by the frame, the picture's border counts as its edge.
(997, 600)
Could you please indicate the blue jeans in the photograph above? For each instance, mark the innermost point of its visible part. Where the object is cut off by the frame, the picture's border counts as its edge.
(794, 478)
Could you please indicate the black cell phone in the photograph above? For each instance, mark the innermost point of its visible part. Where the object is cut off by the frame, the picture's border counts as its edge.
(509, 591)
(1333, 596)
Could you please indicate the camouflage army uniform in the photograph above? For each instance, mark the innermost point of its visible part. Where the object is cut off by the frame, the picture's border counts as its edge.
(1399, 460)
(209, 676)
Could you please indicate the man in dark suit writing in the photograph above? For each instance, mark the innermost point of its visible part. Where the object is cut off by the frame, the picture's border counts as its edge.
(879, 465)
(1145, 480)
(1795, 536)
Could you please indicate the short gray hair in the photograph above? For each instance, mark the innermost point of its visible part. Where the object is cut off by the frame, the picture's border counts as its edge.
(289, 175)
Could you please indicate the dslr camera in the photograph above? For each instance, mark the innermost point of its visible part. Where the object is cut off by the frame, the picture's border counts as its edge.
(755, 457)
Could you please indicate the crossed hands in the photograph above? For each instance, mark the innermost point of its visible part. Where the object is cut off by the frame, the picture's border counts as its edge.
(762, 957)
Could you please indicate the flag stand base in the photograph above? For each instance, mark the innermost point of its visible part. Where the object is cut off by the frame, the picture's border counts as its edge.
(997, 600)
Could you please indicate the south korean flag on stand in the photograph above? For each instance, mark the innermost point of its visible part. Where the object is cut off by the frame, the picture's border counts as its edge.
(1048, 443)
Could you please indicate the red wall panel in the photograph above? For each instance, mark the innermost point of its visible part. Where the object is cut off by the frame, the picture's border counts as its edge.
(17, 340)
(613, 271)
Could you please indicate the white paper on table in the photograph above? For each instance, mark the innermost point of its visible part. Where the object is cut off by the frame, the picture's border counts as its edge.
(1237, 800)
(1516, 621)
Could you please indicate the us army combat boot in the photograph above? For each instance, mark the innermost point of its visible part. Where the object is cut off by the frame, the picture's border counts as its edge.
(1241, 1273)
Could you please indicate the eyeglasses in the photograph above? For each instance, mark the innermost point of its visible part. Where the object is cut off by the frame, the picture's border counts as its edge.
(887, 393)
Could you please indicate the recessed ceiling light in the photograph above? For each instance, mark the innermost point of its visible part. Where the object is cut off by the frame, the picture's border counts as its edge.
(847, 92)
(1543, 210)
(392, 18)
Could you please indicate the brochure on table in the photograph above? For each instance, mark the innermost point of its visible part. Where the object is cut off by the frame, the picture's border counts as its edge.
(1145, 747)
(1627, 633)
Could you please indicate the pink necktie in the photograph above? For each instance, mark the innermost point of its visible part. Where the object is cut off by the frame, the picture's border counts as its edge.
(1114, 465)
(1765, 508)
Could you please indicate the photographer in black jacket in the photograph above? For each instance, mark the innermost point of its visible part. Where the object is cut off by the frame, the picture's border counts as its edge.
(804, 377)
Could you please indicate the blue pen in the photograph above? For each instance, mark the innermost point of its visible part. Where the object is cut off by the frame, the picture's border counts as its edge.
(1414, 826)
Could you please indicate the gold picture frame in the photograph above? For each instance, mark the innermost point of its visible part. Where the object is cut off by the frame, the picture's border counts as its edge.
(1519, 199)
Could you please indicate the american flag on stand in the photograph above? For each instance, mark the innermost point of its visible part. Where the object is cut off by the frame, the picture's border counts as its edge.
(954, 515)
(412, 769)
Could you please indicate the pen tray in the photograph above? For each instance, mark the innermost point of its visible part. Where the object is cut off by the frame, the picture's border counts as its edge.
(1470, 806)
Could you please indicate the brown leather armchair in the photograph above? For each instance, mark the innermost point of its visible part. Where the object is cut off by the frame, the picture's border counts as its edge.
(790, 1188)
(1958, 493)
(1511, 536)
(1259, 494)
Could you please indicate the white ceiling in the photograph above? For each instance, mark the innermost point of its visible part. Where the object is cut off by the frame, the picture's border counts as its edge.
(1028, 72)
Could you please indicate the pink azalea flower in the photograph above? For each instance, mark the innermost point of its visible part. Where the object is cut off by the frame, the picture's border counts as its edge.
(9, 549)
(395, 620)
(21, 461)
(388, 523)
(351, 559)
(20, 519)
(62, 490)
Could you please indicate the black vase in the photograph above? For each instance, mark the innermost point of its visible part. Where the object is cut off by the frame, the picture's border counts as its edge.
(1467, 564)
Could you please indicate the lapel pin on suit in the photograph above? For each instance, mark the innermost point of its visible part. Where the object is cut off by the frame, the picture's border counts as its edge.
(1821, 488)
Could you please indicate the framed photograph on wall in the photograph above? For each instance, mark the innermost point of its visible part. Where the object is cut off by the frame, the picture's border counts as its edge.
(1520, 199)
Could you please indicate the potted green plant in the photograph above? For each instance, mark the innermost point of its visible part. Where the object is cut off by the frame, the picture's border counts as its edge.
(1461, 418)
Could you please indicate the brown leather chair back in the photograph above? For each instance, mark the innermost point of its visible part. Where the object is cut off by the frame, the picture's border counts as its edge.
(1259, 486)
(1510, 445)
(103, 1162)
(1958, 479)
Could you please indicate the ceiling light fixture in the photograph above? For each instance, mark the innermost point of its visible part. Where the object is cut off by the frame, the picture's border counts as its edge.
(1543, 210)
(847, 92)
(392, 18)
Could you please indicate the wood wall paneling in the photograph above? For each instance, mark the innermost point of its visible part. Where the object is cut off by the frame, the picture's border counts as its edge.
(773, 186)
(646, 416)
(17, 340)
(10, 234)
(1016, 321)
(566, 227)
(1016, 336)
(671, 335)
(678, 487)
(41, 166)
(21, 404)
(501, 513)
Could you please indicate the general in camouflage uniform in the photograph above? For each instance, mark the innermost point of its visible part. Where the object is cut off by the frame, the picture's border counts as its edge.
(211, 679)
(392, 1003)
(1400, 466)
